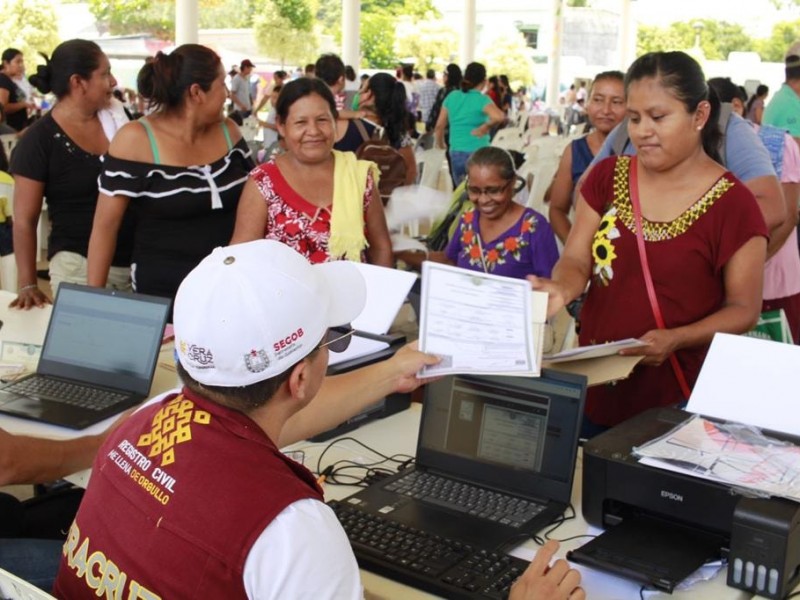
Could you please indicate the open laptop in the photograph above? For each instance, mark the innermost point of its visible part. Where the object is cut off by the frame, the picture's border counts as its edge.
(501, 451)
(98, 358)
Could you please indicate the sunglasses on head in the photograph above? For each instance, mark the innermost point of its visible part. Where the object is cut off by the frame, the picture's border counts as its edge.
(337, 339)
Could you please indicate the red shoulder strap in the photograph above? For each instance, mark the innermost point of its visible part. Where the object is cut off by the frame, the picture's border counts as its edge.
(648, 279)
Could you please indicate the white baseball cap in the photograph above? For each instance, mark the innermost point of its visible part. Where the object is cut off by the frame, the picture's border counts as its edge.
(251, 311)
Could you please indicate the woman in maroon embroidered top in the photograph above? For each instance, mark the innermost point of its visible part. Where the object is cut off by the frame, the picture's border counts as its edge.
(321, 202)
(704, 239)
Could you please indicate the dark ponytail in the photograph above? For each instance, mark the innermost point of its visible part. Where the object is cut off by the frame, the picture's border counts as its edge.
(73, 57)
(165, 80)
(391, 105)
(474, 75)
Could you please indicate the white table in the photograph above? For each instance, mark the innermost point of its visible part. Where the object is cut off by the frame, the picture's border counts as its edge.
(398, 434)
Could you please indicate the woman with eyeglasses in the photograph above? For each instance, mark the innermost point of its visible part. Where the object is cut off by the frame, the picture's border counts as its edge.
(496, 235)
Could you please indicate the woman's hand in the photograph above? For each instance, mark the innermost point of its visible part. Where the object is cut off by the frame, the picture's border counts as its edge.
(481, 130)
(660, 344)
(28, 297)
(556, 294)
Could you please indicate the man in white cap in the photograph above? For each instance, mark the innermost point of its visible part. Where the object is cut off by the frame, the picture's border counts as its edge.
(190, 497)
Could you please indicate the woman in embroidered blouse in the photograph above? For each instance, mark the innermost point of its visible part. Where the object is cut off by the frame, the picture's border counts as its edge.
(321, 202)
(182, 169)
(59, 158)
(605, 109)
(496, 235)
(704, 237)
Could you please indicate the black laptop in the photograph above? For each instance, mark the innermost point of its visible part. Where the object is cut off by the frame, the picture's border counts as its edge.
(495, 459)
(98, 358)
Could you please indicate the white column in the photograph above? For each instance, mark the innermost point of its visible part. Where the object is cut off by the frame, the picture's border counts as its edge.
(186, 22)
(468, 34)
(627, 36)
(351, 36)
(554, 58)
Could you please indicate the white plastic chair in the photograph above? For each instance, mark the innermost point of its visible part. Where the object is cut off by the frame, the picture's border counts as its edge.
(249, 128)
(14, 588)
(509, 139)
(543, 173)
(429, 167)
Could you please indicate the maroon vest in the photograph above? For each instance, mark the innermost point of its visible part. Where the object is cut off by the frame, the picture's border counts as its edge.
(179, 494)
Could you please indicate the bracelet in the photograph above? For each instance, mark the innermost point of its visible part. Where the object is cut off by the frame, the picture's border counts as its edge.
(30, 286)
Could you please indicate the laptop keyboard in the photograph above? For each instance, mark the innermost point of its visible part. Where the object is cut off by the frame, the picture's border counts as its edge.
(66, 392)
(429, 562)
(463, 497)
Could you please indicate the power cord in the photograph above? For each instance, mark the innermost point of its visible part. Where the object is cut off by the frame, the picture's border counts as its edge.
(350, 472)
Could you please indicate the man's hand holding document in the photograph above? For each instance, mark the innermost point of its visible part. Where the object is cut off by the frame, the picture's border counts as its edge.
(480, 323)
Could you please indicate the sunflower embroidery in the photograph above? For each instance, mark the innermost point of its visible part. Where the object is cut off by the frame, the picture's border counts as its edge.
(603, 249)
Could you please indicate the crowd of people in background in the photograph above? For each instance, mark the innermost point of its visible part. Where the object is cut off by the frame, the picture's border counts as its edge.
(688, 185)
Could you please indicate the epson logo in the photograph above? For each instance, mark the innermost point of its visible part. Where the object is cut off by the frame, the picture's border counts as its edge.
(671, 496)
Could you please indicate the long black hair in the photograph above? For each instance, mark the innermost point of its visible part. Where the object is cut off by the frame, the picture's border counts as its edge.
(683, 76)
(390, 100)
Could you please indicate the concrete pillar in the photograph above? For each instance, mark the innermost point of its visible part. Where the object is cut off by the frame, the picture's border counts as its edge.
(627, 36)
(554, 57)
(186, 22)
(468, 34)
(351, 36)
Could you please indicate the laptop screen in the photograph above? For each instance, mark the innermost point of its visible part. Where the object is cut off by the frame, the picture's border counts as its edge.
(104, 337)
(512, 433)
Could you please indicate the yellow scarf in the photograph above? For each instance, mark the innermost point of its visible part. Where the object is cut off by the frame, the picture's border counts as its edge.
(347, 210)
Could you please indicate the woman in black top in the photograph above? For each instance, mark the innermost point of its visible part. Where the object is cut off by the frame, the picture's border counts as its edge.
(181, 170)
(12, 99)
(59, 158)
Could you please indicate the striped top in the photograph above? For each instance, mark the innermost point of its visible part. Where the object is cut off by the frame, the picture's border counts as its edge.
(182, 213)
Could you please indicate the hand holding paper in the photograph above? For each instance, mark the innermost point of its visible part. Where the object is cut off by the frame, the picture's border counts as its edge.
(479, 323)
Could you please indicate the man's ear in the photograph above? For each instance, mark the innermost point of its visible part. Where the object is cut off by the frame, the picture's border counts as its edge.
(300, 379)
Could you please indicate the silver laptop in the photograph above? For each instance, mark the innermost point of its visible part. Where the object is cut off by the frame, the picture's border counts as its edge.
(495, 459)
(98, 358)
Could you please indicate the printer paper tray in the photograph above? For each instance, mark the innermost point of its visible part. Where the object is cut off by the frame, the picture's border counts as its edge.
(653, 552)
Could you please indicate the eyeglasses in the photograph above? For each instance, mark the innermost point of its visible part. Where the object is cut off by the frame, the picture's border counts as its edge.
(337, 339)
(493, 192)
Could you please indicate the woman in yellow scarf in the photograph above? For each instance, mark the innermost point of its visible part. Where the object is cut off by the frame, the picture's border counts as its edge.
(321, 202)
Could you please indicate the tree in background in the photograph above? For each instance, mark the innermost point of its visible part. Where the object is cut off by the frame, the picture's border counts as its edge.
(377, 41)
(378, 22)
(432, 42)
(508, 54)
(717, 38)
(284, 30)
(784, 34)
(30, 26)
(124, 17)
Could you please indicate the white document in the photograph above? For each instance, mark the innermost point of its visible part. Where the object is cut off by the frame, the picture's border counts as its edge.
(751, 381)
(728, 453)
(595, 351)
(479, 323)
(386, 291)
